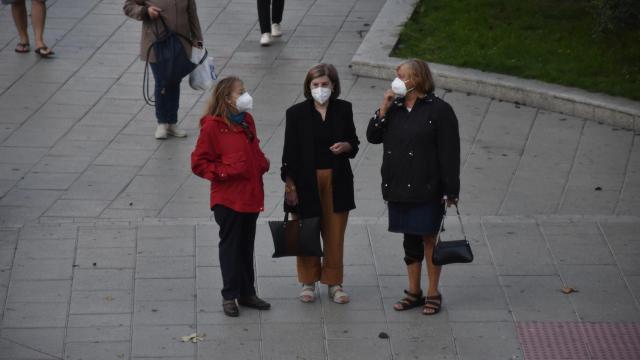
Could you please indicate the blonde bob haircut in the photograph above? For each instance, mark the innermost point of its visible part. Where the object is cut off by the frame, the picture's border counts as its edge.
(419, 74)
(320, 70)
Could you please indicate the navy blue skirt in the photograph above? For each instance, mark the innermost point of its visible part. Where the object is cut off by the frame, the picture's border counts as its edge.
(415, 218)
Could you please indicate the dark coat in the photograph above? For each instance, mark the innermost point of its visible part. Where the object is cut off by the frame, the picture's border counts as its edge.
(421, 159)
(298, 156)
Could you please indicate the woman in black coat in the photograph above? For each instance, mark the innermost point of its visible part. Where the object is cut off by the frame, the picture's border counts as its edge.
(320, 138)
(420, 172)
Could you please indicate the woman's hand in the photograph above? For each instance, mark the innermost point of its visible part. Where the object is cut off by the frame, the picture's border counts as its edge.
(340, 147)
(387, 100)
(291, 197)
(154, 12)
(449, 202)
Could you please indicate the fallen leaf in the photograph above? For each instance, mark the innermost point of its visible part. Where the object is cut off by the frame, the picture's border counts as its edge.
(193, 338)
(108, 298)
(569, 290)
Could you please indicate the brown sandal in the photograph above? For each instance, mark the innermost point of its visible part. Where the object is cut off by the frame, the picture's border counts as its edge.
(409, 302)
(432, 305)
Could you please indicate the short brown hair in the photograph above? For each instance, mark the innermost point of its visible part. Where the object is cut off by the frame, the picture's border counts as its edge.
(320, 70)
(420, 75)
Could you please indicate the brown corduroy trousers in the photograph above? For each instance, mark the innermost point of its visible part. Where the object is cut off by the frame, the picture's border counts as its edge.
(329, 269)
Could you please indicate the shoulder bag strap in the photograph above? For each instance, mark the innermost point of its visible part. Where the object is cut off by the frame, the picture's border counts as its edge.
(464, 234)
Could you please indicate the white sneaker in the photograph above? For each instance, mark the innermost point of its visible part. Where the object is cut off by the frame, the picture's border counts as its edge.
(275, 30)
(265, 39)
(161, 131)
(173, 130)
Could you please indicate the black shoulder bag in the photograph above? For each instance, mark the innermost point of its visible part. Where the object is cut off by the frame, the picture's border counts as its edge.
(296, 237)
(454, 251)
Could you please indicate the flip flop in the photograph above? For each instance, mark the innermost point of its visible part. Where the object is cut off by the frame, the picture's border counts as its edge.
(43, 53)
(22, 48)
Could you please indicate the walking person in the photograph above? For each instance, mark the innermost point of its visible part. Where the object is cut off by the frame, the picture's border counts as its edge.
(270, 17)
(228, 154)
(38, 17)
(319, 140)
(420, 172)
(180, 16)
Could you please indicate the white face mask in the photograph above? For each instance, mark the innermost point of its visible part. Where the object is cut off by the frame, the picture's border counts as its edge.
(399, 87)
(244, 102)
(321, 94)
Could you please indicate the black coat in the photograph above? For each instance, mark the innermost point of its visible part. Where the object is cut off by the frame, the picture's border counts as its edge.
(421, 159)
(298, 156)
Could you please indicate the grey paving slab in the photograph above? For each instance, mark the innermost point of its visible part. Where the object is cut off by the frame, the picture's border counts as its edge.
(47, 341)
(162, 341)
(118, 258)
(101, 302)
(164, 313)
(486, 340)
(165, 267)
(98, 351)
(164, 289)
(98, 334)
(29, 315)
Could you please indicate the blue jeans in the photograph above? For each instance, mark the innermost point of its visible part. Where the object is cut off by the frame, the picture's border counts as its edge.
(167, 99)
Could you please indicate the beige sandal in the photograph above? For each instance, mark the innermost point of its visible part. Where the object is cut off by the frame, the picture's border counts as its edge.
(308, 293)
(337, 294)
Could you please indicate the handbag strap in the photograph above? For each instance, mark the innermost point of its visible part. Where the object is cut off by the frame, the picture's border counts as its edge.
(464, 234)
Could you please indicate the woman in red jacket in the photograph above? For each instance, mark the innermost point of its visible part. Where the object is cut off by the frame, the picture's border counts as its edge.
(228, 154)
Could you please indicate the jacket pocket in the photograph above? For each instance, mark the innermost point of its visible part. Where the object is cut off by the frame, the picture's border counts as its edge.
(233, 166)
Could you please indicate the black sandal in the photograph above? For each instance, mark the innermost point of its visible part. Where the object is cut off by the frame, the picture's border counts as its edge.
(410, 301)
(432, 305)
(22, 48)
(230, 308)
(42, 51)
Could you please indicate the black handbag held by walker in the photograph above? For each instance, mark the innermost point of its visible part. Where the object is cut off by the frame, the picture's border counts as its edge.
(453, 251)
(296, 237)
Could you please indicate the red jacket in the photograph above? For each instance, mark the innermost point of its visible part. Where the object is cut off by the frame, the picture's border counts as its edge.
(234, 165)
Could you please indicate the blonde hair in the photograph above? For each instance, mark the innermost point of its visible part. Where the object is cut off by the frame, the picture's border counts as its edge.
(419, 74)
(320, 70)
(218, 104)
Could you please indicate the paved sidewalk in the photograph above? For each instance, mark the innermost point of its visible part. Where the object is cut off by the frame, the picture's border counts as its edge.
(108, 249)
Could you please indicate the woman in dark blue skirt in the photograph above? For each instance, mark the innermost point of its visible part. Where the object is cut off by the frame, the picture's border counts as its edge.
(420, 172)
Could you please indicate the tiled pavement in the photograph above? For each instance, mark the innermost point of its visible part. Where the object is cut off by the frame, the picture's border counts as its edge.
(108, 250)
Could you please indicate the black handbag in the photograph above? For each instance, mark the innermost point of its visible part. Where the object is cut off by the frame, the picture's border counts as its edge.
(296, 237)
(453, 251)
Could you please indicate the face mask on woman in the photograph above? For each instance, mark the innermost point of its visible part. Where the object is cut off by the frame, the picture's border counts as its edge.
(321, 94)
(399, 87)
(244, 102)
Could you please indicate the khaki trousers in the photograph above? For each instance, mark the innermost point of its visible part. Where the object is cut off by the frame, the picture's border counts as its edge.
(329, 269)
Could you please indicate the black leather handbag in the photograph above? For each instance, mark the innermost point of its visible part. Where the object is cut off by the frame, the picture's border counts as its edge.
(296, 237)
(453, 251)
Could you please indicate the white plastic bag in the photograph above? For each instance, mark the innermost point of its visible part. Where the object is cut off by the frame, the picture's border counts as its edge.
(204, 75)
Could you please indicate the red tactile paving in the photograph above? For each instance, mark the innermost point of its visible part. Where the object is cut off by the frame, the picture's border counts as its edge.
(579, 341)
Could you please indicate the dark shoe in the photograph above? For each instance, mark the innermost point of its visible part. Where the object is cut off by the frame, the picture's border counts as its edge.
(432, 305)
(409, 302)
(230, 308)
(44, 52)
(254, 302)
(22, 48)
